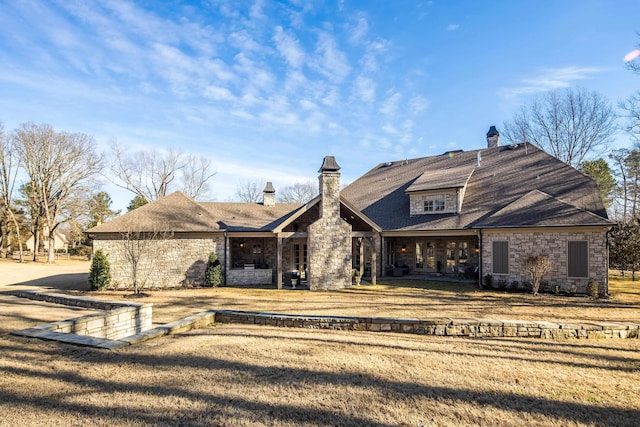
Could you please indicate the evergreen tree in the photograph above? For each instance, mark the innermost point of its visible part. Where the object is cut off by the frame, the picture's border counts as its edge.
(213, 272)
(100, 273)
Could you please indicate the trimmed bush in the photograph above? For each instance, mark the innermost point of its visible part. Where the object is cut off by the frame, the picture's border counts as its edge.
(100, 273)
(213, 272)
(592, 288)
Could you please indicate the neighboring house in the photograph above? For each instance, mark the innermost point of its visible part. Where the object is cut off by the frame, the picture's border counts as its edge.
(60, 241)
(460, 213)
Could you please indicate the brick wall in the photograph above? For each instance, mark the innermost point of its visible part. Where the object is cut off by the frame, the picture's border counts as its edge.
(164, 263)
(553, 242)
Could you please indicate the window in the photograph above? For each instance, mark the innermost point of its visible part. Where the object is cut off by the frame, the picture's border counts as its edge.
(425, 255)
(463, 253)
(299, 261)
(578, 258)
(500, 259)
(435, 205)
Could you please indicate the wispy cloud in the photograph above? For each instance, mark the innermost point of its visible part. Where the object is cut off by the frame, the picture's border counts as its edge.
(390, 106)
(289, 48)
(550, 79)
(453, 27)
(329, 59)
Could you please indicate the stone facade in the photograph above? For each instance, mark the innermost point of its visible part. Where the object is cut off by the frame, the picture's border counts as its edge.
(164, 263)
(553, 242)
(416, 202)
(329, 247)
(239, 277)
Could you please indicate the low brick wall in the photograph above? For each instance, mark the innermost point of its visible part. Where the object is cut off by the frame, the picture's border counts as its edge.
(439, 326)
(250, 277)
(115, 321)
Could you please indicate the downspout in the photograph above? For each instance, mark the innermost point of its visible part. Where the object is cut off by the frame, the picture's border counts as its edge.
(606, 277)
(226, 265)
(480, 255)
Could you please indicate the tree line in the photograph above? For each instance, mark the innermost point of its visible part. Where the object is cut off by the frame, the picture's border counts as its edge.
(577, 126)
(49, 178)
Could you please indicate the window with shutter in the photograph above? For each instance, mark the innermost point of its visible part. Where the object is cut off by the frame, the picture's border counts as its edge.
(500, 257)
(578, 259)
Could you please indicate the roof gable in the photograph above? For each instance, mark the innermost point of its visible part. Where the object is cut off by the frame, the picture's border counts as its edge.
(173, 213)
(439, 179)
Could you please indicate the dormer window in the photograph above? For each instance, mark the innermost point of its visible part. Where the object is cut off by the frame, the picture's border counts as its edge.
(434, 205)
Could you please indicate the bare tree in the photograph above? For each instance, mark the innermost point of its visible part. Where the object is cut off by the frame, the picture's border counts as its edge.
(537, 266)
(571, 125)
(300, 192)
(62, 168)
(152, 174)
(140, 253)
(631, 112)
(634, 64)
(9, 166)
(248, 192)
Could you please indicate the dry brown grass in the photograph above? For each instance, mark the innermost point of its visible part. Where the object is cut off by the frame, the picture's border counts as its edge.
(249, 375)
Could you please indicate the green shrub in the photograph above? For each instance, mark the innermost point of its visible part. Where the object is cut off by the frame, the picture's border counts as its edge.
(592, 288)
(213, 272)
(488, 281)
(100, 273)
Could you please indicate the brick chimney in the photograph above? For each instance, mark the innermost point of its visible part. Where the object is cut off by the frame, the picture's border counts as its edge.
(269, 195)
(493, 137)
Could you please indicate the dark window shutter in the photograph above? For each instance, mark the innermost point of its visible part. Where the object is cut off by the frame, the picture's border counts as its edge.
(501, 257)
(578, 259)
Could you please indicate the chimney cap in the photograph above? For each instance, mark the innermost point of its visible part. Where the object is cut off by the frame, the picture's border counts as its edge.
(269, 188)
(329, 164)
(493, 131)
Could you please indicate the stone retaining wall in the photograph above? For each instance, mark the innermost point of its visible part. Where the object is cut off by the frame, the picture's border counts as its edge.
(118, 320)
(439, 326)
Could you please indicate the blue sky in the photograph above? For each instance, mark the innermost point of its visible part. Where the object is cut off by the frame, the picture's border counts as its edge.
(266, 89)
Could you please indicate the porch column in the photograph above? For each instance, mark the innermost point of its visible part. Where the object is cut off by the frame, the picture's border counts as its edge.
(374, 266)
(361, 255)
(279, 261)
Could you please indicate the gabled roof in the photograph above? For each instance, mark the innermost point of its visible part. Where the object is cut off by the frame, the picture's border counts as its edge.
(505, 175)
(536, 209)
(175, 212)
(180, 214)
(250, 216)
(455, 177)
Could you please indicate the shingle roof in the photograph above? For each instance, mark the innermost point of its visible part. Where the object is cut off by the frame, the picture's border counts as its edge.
(455, 177)
(536, 209)
(505, 175)
(249, 216)
(178, 213)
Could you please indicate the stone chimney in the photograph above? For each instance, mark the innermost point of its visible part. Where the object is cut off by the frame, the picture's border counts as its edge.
(493, 137)
(330, 188)
(329, 238)
(269, 195)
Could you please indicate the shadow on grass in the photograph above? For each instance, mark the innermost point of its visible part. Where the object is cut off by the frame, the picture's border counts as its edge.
(209, 407)
(67, 282)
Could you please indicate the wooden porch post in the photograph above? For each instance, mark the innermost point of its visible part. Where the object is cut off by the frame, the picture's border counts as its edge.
(279, 262)
(361, 255)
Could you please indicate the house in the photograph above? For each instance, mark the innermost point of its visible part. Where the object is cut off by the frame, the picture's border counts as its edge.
(60, 241)
(461, 213)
